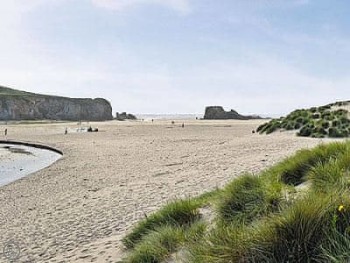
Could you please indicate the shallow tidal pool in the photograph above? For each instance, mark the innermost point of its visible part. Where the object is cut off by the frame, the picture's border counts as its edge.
(17, 161)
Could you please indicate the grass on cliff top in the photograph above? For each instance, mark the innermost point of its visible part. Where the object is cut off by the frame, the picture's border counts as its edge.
(8, 92)
(317, 122)
(13, 92)
(296, 211)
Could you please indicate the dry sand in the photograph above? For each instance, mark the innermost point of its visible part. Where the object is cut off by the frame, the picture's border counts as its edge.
(77, 209)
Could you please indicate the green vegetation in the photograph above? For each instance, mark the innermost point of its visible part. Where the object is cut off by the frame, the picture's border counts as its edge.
(178, 214)
(4, 91)
(158, 245)
(295, 211)
(246, 199)
(316, 122)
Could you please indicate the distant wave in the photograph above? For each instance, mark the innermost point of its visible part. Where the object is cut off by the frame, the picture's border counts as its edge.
(168, 116)
(186, 116)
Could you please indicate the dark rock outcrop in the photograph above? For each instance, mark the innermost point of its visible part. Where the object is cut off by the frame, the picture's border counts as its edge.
(20, 105)
(124, 116)
(218, 113)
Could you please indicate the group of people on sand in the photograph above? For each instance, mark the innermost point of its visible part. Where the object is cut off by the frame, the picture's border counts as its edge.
(90, 129)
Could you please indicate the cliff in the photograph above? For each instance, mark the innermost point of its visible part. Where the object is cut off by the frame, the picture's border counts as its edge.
(21, 105)
(218, 113)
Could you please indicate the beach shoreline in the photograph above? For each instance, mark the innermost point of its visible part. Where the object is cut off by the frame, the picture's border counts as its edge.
(78, 208)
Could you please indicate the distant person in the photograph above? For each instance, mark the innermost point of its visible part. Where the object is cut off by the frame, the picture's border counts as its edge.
(183, 125)
(6, 132)
(152, 120)
(65, 131)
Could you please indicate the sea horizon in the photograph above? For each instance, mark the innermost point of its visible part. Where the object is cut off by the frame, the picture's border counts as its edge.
(169, 116)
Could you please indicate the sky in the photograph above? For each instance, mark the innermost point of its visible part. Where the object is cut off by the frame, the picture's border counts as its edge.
(264, 57)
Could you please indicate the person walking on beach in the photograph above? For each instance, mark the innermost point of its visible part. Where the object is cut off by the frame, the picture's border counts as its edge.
(5, 132)
(65, 131)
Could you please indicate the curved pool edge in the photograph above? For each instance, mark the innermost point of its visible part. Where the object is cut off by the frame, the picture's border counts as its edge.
(31, 144)
(21, 165)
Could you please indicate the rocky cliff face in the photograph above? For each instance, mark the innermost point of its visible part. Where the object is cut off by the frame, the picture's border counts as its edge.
(19, 105)
(218, 113)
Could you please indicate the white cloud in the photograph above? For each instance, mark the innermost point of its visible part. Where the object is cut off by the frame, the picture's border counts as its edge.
(181, 6)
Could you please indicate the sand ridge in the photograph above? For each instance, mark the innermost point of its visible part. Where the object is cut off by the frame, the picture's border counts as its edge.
(77, 209)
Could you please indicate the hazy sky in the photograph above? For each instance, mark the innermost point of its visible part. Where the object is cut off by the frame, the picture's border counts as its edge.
(177, 56)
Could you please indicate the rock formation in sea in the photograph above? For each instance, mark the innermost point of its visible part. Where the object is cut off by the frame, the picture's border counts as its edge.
(218, 113)
(124, 116)
(21, 105)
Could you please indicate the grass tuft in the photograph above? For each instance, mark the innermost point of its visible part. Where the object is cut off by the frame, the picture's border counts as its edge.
(157, 246)
(245, 199)
(179, 213)
(293, 170)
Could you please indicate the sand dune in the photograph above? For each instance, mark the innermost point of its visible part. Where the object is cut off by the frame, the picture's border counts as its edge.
(77, 209)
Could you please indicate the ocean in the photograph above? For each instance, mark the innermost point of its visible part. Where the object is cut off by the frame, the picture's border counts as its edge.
(168, 116)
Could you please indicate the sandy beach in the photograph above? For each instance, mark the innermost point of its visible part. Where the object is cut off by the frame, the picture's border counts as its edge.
(77, 209)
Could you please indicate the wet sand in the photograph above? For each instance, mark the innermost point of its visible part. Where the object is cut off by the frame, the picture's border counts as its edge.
(77, 209)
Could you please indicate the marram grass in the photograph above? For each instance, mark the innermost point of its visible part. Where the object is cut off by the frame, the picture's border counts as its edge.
(255, 220)
(316, 122)
(246, 199)
(178, 213)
